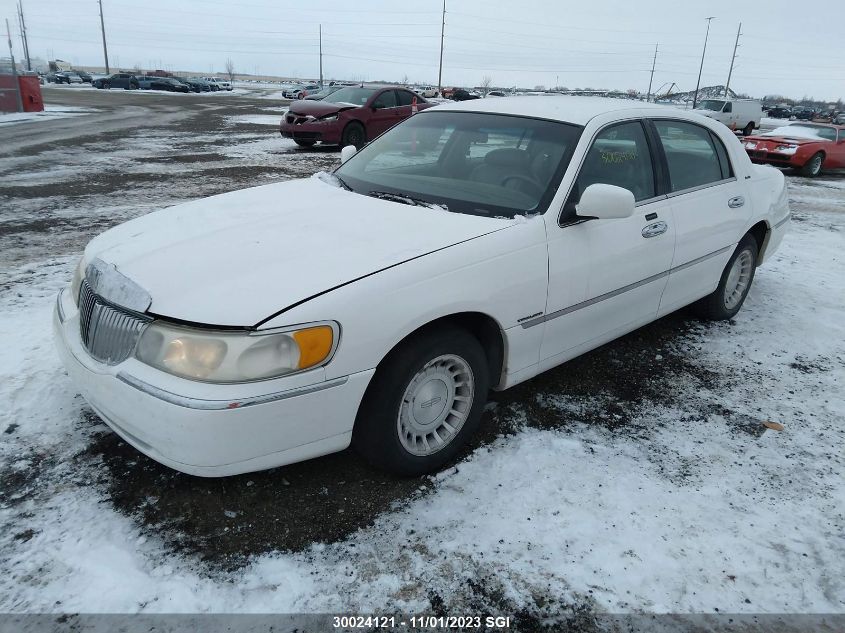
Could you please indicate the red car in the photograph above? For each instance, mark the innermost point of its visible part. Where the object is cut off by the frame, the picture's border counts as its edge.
(353, 115)
(808, 147)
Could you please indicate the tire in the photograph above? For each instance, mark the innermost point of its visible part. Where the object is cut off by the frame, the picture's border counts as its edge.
(353, 134)
(736, 280)
(424, 402)
(749, 129)
(813, 167)
(303, 143)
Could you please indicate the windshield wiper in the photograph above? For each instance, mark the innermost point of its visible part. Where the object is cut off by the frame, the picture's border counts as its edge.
(406, 199)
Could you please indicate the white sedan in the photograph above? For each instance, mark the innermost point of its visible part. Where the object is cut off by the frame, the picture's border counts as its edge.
(469, 248)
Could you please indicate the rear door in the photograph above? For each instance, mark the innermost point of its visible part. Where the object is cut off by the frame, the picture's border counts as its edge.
(709, 205)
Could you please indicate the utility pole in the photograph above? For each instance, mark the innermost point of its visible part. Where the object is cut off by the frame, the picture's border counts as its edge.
(733, 59)
(103, 29)
(440, 73)
(650, 81)
(24, 39)
(321, 55)
(700, 68)
(14, 68)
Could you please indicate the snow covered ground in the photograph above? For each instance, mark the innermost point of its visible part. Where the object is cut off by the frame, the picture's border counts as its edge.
(50, 113)
(646, 477)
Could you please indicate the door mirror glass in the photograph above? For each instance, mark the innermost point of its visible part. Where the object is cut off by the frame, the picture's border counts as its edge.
(606, 202)
(346, 153)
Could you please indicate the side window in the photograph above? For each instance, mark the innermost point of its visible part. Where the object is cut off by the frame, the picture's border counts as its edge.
(403, 98)
(619, 156)
(729, 107)
(690, 153)
(386, 99)
(722, 153)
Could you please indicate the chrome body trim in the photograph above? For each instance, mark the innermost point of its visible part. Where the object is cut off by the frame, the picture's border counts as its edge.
(219, 405)
(784, 221)
(708, 185)
(619, 291)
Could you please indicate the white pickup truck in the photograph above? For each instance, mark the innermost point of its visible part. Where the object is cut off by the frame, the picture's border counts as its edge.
(221, 84)
(738, 114)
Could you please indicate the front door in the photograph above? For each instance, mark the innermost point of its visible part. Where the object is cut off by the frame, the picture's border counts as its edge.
(384, 115)
(606, 277)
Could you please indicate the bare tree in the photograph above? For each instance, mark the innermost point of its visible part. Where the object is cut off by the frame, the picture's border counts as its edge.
(486, 82)
(230, 69)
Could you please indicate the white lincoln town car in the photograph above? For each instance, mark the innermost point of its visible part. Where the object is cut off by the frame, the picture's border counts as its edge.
(469, 248)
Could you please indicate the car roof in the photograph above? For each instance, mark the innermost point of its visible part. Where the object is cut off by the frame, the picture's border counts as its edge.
(567, 109)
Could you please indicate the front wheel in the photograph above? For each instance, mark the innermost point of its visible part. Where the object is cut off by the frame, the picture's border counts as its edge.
(353, 134)
(813, 167)
(734, 284)
(424, 402)
(749, 129)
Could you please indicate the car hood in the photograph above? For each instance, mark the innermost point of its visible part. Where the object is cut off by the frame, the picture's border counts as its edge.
(237, 258)
(318, 108)
(790, 140)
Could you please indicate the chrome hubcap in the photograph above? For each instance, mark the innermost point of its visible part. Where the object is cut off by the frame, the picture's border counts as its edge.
(435, 405)
(738, 279)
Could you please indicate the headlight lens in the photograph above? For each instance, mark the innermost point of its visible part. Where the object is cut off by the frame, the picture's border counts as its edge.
(750, 145)
(787, 149)
(227, 357)
(76, 283)
(328, 119)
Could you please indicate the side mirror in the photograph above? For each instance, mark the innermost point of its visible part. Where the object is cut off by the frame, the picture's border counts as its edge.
(347, 152)
(606, 202)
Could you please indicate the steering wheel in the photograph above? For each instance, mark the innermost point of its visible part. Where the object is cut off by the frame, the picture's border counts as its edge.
(531, 182)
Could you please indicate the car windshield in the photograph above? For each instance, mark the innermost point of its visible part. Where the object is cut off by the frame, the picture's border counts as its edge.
(711, 104)
(811, 132)
(352, 95)
(468, 162)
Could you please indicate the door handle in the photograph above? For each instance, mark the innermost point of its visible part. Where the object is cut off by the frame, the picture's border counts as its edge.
(736, 203)
(654, 229)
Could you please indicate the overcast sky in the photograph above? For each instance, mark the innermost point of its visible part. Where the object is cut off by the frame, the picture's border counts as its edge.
(598, 44)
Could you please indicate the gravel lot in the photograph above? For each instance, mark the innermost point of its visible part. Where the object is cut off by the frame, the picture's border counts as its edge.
(676, 408)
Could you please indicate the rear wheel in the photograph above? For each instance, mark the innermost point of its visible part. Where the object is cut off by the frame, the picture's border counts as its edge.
(424, 402)
(353, 134)
(734, 284)
(749, 129)
(813, 167)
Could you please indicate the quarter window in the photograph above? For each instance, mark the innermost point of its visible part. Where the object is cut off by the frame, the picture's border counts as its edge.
(619, 156)
(692, 155)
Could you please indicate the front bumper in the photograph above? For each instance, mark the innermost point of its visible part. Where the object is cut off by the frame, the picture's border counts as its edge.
(328, 133)
(212, 430)
(765, 157)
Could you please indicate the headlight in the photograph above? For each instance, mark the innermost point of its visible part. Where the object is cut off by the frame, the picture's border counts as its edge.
(750, 145)
(786, 149)
(76, 283)
(227, 357)
(328, 119)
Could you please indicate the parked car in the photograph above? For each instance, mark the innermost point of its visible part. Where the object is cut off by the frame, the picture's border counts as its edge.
(351, 116)
(325, 92)
(459, 94)
(738, 114)
(222, 84)
(83, 76)
(803, 113)
(496, 93)
(570, 222)
(196, 84)
(806, 147)
(779, 112)
(126, 81)
(64, 77)
(840, 118)
(300, 92)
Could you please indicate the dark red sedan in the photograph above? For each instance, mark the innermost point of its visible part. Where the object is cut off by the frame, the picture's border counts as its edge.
(808, 147)
(351, 116)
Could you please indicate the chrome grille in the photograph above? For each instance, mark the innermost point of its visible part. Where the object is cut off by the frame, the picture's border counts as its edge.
(108, 332)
